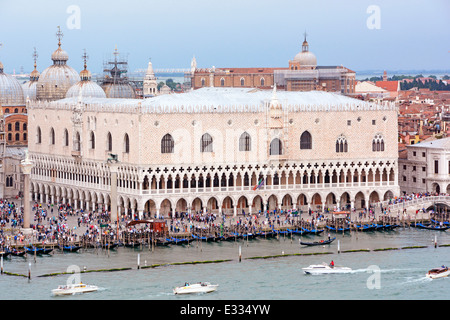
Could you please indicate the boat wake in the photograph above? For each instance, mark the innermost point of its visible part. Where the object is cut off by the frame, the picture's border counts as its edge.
(371, 270)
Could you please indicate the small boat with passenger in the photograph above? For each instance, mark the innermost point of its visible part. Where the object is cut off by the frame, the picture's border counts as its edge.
(325, 269)
(441, 272)
(200, 287)
(318, 243)
(73, 289)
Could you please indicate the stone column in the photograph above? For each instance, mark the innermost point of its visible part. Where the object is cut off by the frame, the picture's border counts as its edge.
(113, 168)
(26, 166)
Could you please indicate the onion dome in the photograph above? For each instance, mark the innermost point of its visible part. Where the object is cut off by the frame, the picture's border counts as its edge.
(29, 87)
(86, 86)
(55, 81)
(11, 92)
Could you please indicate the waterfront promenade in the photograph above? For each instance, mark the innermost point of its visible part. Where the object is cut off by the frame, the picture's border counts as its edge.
(61, 224)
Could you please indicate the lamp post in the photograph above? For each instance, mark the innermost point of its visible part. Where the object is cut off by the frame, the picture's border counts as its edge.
(26, 166)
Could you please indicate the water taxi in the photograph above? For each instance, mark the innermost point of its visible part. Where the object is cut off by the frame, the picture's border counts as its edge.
(201, 287)
(438, 273)
(74, 289)
(325, 268)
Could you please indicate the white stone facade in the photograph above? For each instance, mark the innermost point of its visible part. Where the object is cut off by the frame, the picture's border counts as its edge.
(426, 168)
(341, 164)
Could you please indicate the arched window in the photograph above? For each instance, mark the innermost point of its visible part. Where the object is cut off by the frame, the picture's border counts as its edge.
(109, 142)
(17, 126)
(92, 140)
(9, 127)
(262, 81)
(77, 142)
(276, 147)
(17, 137)
(378, 143)
(341, 144)
(9, 136)
(242, 82)
(222, 82)
(66, 138)
(126, 143)
(38, 135)
(24, 126)
(7, 110)
(16, 110)
(245, 142)
(306, 140)
(203, 82)
(206, 144)
(167, 144)
(52, 136)
(24, 137)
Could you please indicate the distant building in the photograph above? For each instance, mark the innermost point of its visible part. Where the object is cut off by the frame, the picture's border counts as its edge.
(150, 85)
(115, 83)
(369, 90)
(425, 167)
(303, 74)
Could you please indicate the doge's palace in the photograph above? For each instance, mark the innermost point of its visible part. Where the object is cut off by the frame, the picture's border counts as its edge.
(218, 149)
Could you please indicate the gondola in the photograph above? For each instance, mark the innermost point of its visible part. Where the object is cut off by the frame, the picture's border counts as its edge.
(366, 227)
(313, 231)
(37, 250)
(132, 244)
(318, 243)
(70, 248)
(109, 245)
(16, 253)
(431, 227)
(338, 229)
(446, 223)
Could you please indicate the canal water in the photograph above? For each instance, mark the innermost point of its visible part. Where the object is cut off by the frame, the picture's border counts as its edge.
(377, 274)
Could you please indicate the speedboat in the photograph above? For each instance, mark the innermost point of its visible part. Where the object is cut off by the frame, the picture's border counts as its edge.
(438, 273)
(325, 268)
(201, 287)
(74, 289)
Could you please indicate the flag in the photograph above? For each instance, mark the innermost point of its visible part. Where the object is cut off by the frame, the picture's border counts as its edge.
(260, 183)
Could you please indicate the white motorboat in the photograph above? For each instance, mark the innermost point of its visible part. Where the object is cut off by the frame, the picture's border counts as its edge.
(325, 268)
(438, 273)
(201, 287)
(74, 289)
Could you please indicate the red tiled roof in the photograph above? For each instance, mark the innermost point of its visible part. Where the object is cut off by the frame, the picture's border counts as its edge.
(388, 85)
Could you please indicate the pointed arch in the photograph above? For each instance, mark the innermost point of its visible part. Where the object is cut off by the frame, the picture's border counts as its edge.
(206, 143)
(245, 142)
(306, 140)
(167, 144)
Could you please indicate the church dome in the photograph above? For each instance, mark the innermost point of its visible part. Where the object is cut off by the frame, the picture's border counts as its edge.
(88, 89)
(60, 55)
(29, 90)
(54, 81)
(119, 90)
(305, 57)
(11, 92)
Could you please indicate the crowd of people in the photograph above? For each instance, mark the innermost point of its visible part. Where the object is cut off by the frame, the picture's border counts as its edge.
(62, 223)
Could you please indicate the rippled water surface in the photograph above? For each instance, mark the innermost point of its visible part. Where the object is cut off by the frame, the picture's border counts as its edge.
(390, 274)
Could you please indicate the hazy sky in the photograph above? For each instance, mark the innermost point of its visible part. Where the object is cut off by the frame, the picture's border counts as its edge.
(409, 34)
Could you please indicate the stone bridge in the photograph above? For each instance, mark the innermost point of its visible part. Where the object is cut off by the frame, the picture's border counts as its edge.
(413, 205)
